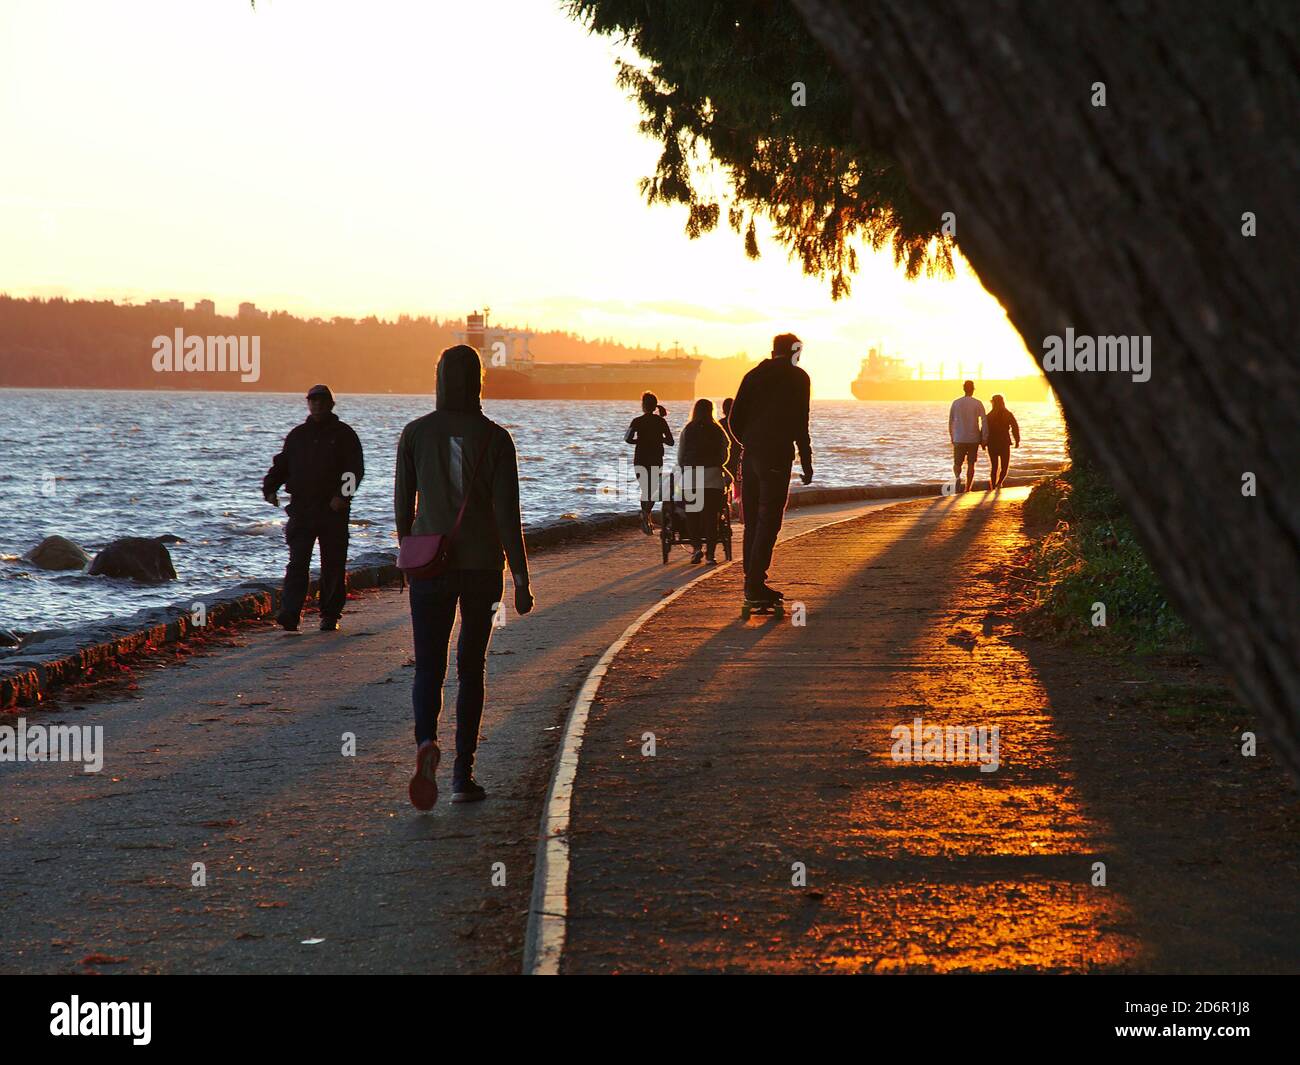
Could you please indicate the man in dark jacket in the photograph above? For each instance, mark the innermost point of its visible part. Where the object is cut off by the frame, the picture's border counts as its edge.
(770, 419)
(321, 465)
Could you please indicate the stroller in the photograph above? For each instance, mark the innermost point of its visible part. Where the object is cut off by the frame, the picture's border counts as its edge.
(675, 529)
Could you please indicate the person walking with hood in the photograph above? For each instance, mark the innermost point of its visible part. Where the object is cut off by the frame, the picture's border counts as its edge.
(456, 506)
(321, 464)
(770, 419)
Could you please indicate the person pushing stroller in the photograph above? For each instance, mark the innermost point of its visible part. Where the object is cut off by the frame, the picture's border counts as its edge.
(702, 453)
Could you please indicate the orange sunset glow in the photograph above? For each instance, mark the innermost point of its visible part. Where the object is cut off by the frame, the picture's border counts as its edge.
(330, 158)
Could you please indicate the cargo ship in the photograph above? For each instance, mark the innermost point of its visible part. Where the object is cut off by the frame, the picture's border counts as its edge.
(511, 372)
(882, 377)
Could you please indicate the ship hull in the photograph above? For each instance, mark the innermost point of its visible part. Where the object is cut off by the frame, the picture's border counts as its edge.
(1013, 390)
(507, 384)
(611, 390)
(621, 381)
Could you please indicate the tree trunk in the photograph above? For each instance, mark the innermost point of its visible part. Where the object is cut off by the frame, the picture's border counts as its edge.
(1126, 220)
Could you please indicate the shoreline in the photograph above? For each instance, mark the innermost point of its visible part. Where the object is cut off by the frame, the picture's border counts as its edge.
(29, 673)
(850, 398)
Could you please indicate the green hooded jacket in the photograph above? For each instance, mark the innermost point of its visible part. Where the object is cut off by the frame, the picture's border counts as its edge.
(436, 457)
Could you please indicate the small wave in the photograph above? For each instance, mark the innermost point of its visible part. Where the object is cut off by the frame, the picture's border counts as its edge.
(258, 528)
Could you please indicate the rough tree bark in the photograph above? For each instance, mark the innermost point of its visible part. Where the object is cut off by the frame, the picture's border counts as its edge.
(1127, 220)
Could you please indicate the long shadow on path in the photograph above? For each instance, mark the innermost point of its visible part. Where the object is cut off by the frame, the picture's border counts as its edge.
(773, 830)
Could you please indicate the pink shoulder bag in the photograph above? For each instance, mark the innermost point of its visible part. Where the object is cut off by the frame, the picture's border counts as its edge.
(428, 555)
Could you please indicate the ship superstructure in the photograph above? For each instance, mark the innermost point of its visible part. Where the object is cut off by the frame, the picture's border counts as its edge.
(511, 371)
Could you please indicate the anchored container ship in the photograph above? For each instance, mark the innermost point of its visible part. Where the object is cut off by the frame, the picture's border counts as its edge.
(512, 372)
(882, 377)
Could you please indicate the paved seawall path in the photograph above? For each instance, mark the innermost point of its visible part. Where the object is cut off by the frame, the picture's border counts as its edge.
(773, 747)
(231, 756)
(772, 830)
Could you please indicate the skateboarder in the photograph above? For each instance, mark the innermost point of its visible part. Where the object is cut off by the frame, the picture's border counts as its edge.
(770, 419)
(321, 465)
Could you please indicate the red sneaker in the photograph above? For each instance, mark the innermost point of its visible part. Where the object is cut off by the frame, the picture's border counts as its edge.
(423, 788)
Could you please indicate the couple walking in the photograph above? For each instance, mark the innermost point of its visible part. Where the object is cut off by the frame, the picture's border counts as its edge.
(969, 429)
(456, 508)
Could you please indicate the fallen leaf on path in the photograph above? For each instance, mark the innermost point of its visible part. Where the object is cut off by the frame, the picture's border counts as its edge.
(102, 959)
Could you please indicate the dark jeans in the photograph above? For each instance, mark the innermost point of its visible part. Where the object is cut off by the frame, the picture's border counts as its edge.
(765, 487)
(301, 533)
(433, 611)
(703, 523)
(999, 457)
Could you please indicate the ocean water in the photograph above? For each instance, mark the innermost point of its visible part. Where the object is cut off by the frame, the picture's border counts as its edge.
(97, 465)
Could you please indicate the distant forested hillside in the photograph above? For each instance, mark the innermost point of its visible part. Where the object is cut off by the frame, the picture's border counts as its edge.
(60, 343)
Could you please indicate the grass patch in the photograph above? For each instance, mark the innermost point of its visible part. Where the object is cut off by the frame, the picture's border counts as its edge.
(1087, 553)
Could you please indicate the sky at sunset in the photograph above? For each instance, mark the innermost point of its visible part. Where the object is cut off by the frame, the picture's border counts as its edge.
(384, 157)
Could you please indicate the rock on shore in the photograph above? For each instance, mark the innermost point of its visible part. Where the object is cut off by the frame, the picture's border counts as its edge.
(136, 558)
(57, 553)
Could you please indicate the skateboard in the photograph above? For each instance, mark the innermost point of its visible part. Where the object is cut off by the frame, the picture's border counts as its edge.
(761, 606)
